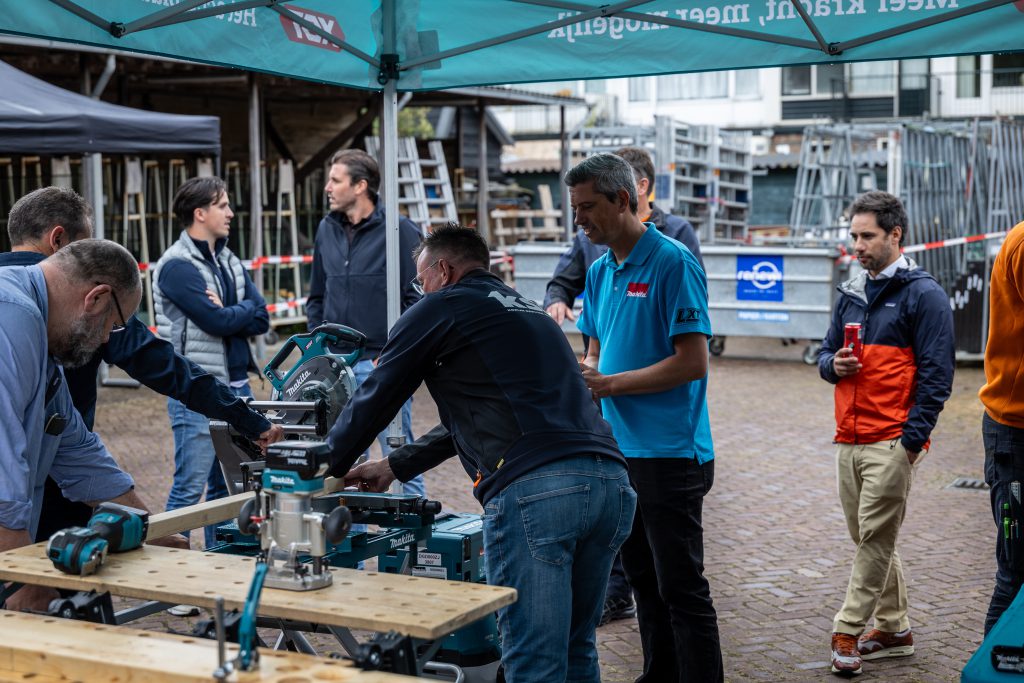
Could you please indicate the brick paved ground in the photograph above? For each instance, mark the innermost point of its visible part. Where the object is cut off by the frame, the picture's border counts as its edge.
(777, 548)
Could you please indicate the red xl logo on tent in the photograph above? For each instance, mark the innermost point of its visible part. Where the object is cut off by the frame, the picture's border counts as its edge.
(300, 34)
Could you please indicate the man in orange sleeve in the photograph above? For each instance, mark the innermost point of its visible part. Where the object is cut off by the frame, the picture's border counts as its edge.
(1003, 423)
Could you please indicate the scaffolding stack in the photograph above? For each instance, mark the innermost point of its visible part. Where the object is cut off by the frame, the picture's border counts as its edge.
(959, 182)
(702, 173)
(956, 179)
(835, 163)
(138, 195)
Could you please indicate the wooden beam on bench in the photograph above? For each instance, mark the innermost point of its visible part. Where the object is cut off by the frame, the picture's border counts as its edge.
(42, 649)
(417, 606)
(210, 512)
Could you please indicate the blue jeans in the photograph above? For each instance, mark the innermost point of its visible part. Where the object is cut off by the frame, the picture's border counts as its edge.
(415, 486)
(551, 535)
(195, 464)
(1004, 463)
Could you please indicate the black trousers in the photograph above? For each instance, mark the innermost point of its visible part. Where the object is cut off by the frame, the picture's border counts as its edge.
(664, 562)
(1004, 463)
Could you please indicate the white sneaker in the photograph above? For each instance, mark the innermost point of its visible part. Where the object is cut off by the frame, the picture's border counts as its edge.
(183, 610)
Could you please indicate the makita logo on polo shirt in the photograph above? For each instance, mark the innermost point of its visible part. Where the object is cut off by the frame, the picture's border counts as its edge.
(637, 289)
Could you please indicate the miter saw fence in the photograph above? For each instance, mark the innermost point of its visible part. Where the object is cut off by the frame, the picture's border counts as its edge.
(306, 399)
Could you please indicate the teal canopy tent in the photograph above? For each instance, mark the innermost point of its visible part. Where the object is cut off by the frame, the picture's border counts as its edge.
(450, 43)
(409, 45)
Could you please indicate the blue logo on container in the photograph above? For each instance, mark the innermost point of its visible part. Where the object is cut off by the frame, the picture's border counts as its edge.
(759, 278)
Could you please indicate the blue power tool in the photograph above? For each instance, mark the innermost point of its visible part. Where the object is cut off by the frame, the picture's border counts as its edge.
(113, 527)
(320, 374)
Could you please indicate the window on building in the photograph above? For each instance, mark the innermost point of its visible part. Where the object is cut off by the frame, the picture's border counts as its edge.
(796, 80)
(639, 89)
(872, 78)
(598, 86)
(747, 82)
(968, 76)
(829, 79)
(1008, 71)
(914, 74)
(699, 86)
(672, 87)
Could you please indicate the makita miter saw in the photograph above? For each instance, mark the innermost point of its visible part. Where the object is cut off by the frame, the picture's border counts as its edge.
(306, 400)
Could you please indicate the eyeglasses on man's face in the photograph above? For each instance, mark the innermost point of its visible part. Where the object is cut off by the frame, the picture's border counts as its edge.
(120, 313)
(417, 282)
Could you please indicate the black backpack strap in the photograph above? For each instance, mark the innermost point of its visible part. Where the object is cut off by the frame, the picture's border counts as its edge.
(53, 383)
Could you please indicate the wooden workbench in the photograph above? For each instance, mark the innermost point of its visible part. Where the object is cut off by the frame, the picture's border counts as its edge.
(419, 607)
(40, 649)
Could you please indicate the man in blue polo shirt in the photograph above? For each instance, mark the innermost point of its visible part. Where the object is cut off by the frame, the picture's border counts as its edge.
(645, 309)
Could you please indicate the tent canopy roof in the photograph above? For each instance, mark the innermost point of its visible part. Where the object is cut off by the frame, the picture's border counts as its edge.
(458, 43)
(39, 118)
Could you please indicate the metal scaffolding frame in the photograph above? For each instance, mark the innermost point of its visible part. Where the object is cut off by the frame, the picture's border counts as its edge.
(956, 179)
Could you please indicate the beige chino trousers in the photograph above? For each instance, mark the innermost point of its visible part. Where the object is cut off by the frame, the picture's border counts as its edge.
(874, 483)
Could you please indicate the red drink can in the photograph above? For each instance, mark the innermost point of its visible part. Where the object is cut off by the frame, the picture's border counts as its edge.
(852, 339)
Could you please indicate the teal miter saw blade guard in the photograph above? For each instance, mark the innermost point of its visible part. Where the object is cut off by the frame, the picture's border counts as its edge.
(321, 373)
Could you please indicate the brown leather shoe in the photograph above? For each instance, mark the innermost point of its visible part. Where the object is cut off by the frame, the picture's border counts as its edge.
(845, 656)
(877, 644)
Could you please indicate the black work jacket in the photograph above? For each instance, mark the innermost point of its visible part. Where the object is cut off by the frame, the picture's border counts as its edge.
(348, 281)
(507, 386)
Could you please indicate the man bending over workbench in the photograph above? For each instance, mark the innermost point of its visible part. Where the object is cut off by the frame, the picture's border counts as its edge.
(514, 408)
(53, 314)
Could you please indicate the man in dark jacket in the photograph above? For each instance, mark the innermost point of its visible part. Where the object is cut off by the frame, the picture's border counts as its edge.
(514, 408)
(887, 401)
(39, 224)
(571, 272)
(348, 284)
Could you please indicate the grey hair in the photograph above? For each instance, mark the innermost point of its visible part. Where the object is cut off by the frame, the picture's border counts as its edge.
(42, 210)
(609, 173)
(93, 261)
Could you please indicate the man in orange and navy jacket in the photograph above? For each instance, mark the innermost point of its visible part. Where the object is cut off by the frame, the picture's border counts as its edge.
(887, 401)
(1003, 423)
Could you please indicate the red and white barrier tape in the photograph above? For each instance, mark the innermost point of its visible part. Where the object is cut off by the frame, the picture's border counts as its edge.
(953, 241)
(285, 305)
(256, 263)
(846, 257)
(259, 262)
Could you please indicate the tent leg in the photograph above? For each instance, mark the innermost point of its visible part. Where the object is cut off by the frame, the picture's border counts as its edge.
(93, 164)
(255, 191)
(389, 157)
(483, 225)
(564, 159)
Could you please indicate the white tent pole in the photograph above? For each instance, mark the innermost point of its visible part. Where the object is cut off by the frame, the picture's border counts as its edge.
(255, 190)
(483, 224)
(389, 159)
(563, 158)
(93, 163)
(94, 185)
